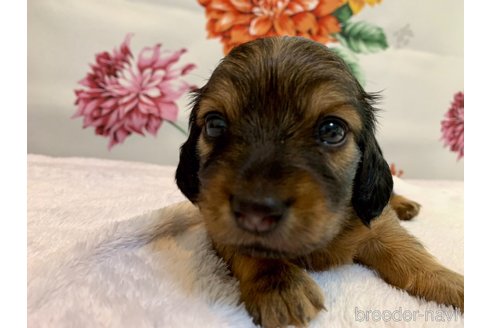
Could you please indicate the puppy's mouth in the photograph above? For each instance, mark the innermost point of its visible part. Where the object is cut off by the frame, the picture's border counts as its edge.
(258, 250)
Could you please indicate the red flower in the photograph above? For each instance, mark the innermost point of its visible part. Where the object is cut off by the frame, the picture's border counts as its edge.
(122, 96)
(239, 21)
(453, 125)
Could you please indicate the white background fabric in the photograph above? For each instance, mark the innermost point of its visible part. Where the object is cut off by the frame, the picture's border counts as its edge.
(417, 75)
(92, 261)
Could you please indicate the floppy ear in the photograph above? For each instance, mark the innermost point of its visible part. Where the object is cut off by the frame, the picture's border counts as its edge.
(373, 182)
(189, 164)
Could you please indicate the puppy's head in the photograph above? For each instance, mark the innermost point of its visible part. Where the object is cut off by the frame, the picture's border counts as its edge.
(282, 150)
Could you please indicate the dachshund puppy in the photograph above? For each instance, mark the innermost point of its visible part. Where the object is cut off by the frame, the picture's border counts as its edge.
(284, 166)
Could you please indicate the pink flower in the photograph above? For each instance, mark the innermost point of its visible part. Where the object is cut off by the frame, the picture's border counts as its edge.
(123, 96)
(395, 172)
(453, 125)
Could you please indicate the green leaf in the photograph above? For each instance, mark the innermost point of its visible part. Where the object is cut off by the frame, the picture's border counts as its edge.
(352, 62)
(343, 13)
(362, 37)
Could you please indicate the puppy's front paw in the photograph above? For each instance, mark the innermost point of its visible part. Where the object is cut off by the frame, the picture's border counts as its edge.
(292, 298)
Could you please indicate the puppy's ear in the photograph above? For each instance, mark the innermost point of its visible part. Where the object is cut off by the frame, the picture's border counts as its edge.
(189, 164)
(373, 182)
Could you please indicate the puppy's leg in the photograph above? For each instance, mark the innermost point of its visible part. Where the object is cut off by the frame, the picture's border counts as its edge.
(403, 262)
(405, 208)
(276, 293)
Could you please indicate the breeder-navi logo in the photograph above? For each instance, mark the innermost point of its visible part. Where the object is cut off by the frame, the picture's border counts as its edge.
(405, 315)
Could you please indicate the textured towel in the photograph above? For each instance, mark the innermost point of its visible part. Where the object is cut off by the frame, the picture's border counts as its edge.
(100, 255)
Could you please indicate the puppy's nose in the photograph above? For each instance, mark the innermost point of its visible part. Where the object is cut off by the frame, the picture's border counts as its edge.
(258, 215)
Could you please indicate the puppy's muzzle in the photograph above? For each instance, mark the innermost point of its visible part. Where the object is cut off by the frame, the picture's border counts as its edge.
(258, 215)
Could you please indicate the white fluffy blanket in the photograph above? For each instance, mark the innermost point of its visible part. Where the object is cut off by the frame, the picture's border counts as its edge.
(98, 255)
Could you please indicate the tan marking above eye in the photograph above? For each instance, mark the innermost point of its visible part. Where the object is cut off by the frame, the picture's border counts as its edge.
(328, 100)
(221, 97)
(348, 114)
(207, 108)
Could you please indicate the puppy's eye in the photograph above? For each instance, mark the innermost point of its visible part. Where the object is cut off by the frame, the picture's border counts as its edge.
(215, 125)
(332, 131)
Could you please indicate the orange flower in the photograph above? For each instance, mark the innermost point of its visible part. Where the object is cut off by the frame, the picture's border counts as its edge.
(357, 5)
(239, 21)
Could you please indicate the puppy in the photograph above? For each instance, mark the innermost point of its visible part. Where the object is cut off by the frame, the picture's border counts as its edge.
(284, 166)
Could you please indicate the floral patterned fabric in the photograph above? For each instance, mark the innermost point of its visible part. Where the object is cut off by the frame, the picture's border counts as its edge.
(122, 96)
(453, 126)
(239, 21)
(414, 57)
(326, 21)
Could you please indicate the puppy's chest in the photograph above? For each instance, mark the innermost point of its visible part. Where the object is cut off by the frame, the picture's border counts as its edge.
(342, 250)
(322, 260)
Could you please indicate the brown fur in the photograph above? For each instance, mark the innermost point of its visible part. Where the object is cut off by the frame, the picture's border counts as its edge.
(405, 208)
(336, 202)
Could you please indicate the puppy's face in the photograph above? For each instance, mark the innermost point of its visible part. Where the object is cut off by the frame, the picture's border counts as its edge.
(281, 150)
